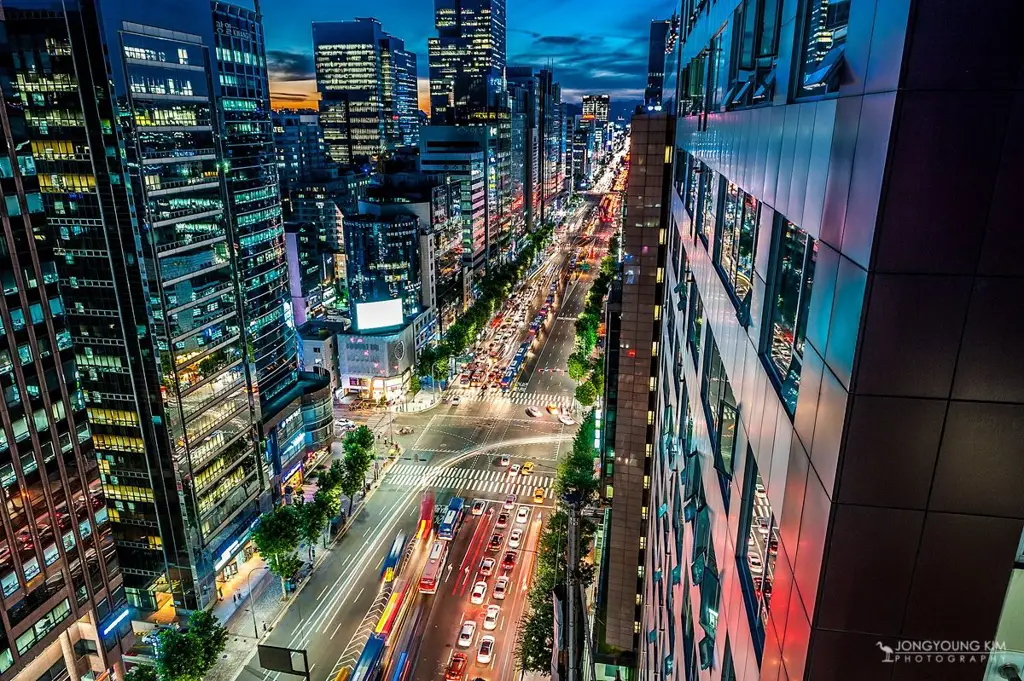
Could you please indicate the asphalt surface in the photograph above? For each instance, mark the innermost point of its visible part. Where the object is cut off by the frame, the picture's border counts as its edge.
(453, 450)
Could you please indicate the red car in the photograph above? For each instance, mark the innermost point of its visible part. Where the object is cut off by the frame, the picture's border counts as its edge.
(509, 561)
(456, 668)
(495, 543)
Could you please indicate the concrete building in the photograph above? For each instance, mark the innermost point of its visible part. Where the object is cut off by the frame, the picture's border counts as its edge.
(300, 148)
(838, 409)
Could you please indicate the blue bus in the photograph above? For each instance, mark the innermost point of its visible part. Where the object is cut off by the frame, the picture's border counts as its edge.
(368, 666)
(390, 567)
(452, 519)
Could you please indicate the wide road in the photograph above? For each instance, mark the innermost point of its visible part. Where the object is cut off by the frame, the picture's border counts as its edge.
(453, 450)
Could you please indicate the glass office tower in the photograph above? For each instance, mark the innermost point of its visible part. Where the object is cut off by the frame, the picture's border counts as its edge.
(172, 251)
(60, 577)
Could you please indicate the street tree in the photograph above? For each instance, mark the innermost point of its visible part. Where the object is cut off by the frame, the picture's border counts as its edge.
(586, 393)
(414, 384)
(536, 637)
(314, 516)
(208, 635)
(355, 478)
(141, 672)
(362, 436)
(179, 657)
(577, 366)
(277, 537)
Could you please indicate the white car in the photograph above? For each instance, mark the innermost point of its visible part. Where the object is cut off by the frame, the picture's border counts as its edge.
(522, 515)
(467, 633)
(500, 588)
(478, 507)
(491, 618)
(566, 420)
(510, 501)
(533, 411)
(513, 470)
(504, 460)
(456, 400)
(483, 655)
(479, 591)
(515, 538)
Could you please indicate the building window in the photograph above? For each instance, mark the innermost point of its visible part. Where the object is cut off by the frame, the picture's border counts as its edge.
(755, 48)
(756, 555)
(721, 412)
(824, 46)
(693, 187)
(694, 323)
(709, 195)
(795, 256)
(737, 242)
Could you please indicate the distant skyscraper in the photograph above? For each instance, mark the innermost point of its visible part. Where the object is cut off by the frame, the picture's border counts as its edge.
(467, 58)
(596, 107)
(367, 82)
(660, 31)
(299, 146)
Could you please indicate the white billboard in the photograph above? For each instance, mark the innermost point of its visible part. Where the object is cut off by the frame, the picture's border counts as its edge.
(379, 315)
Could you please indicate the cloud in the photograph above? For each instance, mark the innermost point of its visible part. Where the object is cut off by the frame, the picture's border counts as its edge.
(288, 66)
(559, 40)
(532, 34)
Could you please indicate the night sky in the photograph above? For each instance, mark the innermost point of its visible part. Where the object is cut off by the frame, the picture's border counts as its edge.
(595, 46)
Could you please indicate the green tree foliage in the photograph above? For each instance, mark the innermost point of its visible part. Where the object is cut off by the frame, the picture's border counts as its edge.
(277, 537)
(586, 394)
(577, 366)
(536, 636)
(361, 436)
(209, 635)
(179, 657)
(314, 516)
(355, 478)
(494, 289)
(414, 384)
(141, 673)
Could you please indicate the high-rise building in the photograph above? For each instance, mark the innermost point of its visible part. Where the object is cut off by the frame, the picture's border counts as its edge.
(654, 92)
(835, 421)
(382, 254)
(61, 579)
(173, 253)
(467, 58)
(300, 148)
(596, 107)
(551, 143)
(367, 84)
(523, 91)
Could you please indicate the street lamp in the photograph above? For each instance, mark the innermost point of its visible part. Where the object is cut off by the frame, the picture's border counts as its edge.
(252, 599)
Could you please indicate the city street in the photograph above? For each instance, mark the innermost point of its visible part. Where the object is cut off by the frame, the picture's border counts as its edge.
(454, 450)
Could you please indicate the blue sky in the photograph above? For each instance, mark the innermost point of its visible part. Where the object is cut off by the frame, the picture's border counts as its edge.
(593, 45)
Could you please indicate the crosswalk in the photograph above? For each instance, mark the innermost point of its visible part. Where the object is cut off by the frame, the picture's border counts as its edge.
(539, 400)
(475, 480)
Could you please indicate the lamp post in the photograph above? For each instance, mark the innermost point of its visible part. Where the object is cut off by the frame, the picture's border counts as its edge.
(252, 599)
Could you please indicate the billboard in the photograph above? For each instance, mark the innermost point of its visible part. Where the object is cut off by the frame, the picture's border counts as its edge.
(379, 315)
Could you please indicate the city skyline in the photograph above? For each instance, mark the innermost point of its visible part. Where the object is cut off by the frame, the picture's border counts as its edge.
(605, 52)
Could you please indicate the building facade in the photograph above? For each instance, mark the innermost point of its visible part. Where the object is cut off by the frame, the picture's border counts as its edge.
(839, 399)
(300, 148)
(467, 58)
(367, 84)
(61, 579)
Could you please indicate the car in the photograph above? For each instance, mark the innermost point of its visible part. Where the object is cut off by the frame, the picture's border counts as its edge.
(510, 501)
(487, 567)
(483, 654)
(522, 515)
(508, 561)
(478, 507)
(552, 408)
(502, 521)
(494, 544)
(456, 667)
(456, 401)
(527, 468)
(515, 538)
(500, 588)
(479, 591)
(538, 495)
(513, 470)
(566, 420)
(467, 633)
(491, 618)
(533, 411)
(504, 460)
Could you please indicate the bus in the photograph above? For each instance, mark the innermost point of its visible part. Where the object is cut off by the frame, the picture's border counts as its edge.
(386, 623)
(368, 665)
(435, 565)
(452, 519)
(426, 515)
(390, 567)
